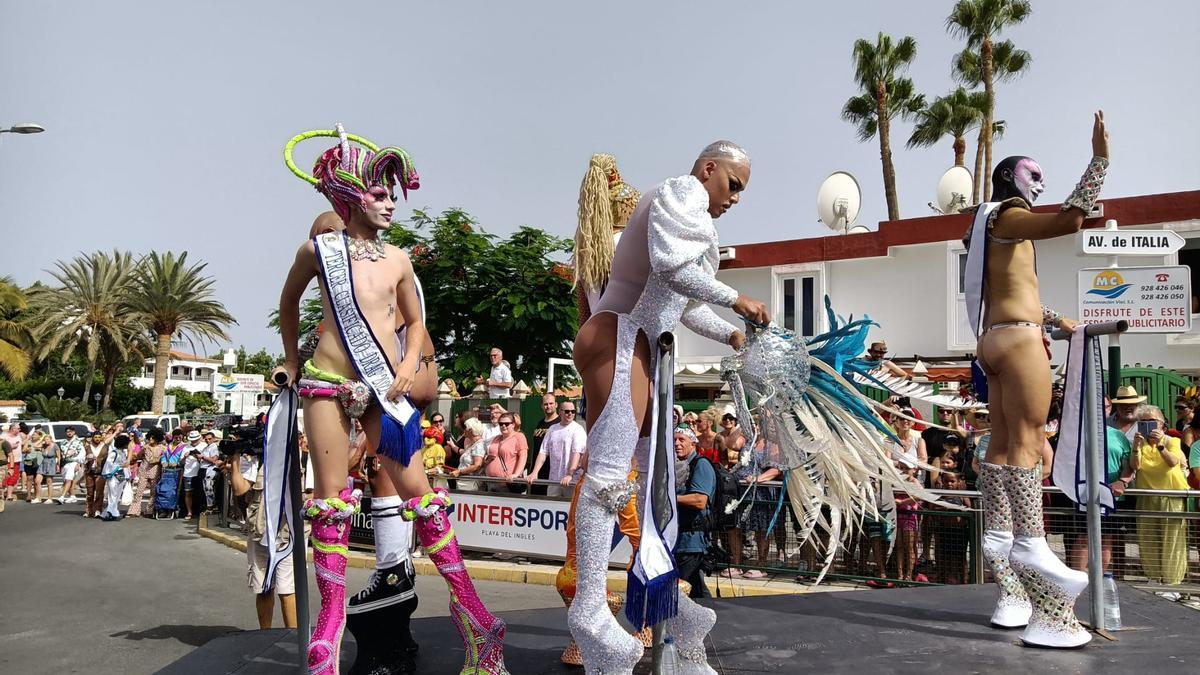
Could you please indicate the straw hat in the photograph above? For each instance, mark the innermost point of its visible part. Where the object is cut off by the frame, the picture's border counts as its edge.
(1127, 394)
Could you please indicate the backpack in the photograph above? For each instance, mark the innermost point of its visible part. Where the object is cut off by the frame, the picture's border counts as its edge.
(727, 490)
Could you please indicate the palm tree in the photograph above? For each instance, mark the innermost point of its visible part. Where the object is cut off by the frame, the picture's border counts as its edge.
(15, 338)
(174, 298)
(884, 96)
(950, 115)
(85, 311)
(978, 22)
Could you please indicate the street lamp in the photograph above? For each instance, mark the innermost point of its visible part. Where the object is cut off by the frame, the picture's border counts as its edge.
(96, 398)
(61, 391)
(24, 128)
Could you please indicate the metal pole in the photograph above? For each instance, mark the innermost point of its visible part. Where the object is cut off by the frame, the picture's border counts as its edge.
(299, 559)
(1114, 364)
(1095, 475)
(1094, 478)
(665, 434)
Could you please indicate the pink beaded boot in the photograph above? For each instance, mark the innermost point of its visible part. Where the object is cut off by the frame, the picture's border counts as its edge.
(330, 539)
(482, 633)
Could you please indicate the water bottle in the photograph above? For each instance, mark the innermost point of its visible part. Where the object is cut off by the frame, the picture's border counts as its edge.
(1112, 604)
(670, 657)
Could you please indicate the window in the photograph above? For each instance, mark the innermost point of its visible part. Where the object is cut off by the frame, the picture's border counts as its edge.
(959, 336)
(799, 296)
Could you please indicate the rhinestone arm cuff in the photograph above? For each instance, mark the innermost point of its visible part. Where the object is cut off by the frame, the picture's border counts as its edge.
(1050, 317)
(1085, 194)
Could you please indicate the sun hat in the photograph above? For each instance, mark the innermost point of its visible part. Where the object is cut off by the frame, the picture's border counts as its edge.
(193, 435)
(1127, 394)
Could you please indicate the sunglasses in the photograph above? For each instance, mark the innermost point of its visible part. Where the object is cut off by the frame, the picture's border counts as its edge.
(1181, 407)
(566, 412)
(438, 421)
(506, 424)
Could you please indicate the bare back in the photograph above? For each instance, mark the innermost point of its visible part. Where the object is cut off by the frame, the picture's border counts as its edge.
(1012, 285)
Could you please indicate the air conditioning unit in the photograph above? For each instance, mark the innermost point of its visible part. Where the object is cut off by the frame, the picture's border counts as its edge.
(727, 253)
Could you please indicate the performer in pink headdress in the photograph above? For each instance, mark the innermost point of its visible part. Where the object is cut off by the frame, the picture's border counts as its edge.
(360, 370)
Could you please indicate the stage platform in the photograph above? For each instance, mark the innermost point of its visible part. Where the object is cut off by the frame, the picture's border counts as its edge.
(923, 631)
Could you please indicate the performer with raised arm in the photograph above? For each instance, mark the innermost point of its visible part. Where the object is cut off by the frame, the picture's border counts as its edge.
(367, 289)
(1037, 590)
(663, 272)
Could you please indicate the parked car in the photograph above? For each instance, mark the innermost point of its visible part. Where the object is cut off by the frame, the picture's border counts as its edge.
(147, 421)
(58, 430)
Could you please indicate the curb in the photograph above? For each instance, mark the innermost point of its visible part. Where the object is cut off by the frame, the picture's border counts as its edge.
(536, 574)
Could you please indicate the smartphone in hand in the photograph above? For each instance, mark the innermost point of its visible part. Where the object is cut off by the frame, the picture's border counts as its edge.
(1145, 427)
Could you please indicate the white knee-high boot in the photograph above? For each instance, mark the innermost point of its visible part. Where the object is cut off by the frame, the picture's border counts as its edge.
(1051, 585)
(1012, 608)
(605, 645)
(689, 628)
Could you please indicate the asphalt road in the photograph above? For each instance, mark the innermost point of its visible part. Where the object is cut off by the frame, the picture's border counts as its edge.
(78, 595)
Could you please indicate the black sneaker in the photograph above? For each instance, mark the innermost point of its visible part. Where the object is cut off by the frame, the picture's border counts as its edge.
(385, 587)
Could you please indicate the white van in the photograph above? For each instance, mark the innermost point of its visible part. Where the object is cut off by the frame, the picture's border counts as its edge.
(147, 421)
(58, 430)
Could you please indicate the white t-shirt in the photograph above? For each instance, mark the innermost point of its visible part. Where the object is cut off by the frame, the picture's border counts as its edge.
(500, 373)
(560, 442)
(94, 451)
(490, 431)
(210, 451)
(191, 465)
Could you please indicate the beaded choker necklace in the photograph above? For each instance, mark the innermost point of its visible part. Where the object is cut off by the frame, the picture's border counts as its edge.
(366, 249)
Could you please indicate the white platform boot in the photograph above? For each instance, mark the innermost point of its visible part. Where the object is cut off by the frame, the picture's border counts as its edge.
(1051, 585)
(1012, 608)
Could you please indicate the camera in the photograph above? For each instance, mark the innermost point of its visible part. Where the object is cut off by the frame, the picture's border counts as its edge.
(242, 439)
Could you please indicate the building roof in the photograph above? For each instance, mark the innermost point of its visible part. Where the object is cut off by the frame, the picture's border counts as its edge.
(184, 356)
(1127, 211)
(12, 404)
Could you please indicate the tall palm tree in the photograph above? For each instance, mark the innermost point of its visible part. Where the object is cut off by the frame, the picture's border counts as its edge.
(885, 95)
(175, 298)
(84, 311)
(950, 115)
(978, 22)
(14, 333)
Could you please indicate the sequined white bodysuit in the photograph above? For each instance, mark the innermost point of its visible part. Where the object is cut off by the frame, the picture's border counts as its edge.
(663, 273)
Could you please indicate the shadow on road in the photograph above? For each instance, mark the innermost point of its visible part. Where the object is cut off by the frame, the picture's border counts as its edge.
(184, 633)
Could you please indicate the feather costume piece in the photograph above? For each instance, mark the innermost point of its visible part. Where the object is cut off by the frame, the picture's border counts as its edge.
(818, 427)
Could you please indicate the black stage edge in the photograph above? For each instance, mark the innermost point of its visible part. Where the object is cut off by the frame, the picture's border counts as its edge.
(923, 631)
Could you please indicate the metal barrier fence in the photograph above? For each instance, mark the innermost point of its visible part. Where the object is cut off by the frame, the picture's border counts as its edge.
(1152, 540)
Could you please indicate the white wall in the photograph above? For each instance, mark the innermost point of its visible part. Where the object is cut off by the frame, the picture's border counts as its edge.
(755, 283)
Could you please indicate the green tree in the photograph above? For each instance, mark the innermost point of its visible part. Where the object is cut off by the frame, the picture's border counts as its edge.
(56, 410)
(173, 298)
(985, 62)
(84, 313)
(482, 291)
(950, 115)
(885, 95)
(15, 338)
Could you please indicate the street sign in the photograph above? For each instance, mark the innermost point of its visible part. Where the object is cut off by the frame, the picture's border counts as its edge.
(1129, 242)
(1151, 299)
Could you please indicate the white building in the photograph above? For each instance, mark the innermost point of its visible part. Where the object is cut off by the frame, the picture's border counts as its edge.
(185, 371)
(235, 393)
(907, 276)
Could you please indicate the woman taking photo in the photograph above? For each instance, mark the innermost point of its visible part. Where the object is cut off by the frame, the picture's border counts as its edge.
(1158, 461)
(470, 461)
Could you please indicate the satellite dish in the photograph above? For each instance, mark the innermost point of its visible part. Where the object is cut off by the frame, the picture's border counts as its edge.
(838, 201)
(954, 190)
(858, 229)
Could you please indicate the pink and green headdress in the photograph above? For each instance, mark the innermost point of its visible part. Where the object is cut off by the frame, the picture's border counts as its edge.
(344, 173)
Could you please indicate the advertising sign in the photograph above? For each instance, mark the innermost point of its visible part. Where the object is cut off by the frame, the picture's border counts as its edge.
(489, 521)
(237, 383)
(1151, 299)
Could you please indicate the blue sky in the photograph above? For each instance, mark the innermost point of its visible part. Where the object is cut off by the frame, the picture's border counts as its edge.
(166, 121)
